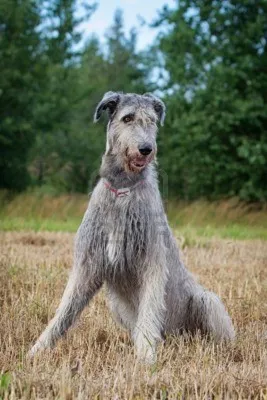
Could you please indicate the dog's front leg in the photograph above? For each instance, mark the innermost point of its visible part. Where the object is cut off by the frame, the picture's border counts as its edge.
(81, 287)
(151, 312)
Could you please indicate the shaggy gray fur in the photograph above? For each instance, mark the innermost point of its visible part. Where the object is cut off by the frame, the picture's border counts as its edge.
(125, 242)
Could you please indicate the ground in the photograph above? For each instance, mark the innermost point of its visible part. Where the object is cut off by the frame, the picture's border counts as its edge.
(96, 360)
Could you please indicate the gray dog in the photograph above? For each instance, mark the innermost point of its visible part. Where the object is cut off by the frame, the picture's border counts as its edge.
(125, 242)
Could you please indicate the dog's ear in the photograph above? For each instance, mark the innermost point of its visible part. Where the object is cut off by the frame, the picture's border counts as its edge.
(159, 107)
(109, 102)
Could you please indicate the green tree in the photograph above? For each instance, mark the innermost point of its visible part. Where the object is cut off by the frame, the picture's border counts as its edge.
(73, 148)
(77, 150)
(215, 55)
(54, 109)
(19, 57)
(127, 68)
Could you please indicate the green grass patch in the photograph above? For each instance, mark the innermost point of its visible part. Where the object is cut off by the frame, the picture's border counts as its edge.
(226, 219)
(37, 224)
(5, 381)
(234, 231)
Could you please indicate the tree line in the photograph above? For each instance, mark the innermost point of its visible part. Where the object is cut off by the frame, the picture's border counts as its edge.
(208, 63)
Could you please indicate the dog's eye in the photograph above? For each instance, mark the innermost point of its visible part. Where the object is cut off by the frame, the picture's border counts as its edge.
(127, 118)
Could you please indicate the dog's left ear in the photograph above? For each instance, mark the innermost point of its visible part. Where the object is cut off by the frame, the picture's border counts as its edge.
(159, 107)
(109, 102)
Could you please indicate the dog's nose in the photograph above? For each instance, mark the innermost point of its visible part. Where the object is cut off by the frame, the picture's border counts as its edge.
(145, 150)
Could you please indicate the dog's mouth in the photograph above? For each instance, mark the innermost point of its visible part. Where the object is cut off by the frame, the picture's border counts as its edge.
(138, 163)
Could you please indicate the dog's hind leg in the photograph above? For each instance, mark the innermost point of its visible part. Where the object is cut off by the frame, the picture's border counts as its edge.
(80, 289)
(207, 313)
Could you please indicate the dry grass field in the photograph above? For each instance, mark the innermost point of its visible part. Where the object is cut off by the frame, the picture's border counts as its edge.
(97, 361)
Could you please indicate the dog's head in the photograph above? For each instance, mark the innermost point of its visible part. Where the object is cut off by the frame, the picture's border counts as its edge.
(132, 128)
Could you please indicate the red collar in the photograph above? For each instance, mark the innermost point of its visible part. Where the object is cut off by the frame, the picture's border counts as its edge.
(122, 192)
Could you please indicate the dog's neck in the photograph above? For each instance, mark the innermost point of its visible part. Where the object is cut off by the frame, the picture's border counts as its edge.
(118, 177)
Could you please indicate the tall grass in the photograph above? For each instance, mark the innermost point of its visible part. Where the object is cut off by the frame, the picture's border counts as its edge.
(222, 219)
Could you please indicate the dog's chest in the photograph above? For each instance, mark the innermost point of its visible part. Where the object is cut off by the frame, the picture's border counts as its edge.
(129, 234)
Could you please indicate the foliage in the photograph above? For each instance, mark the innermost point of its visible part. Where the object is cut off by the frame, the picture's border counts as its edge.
(19, 65)
(68, 147)
(214, 82)
(215, 54)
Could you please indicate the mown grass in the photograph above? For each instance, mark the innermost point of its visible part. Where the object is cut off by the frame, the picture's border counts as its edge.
(225, 219)
(96, 360)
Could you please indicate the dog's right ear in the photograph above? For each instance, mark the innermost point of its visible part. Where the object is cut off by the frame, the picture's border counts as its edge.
(109, 102)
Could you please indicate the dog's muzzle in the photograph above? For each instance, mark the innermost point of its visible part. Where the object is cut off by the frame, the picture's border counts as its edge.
(138, 160)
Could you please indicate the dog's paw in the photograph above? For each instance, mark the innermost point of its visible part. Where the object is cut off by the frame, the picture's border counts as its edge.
(149, 358)
(147, 354)
(36, 348)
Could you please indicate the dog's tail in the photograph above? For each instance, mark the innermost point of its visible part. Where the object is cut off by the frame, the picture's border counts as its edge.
(208, 314)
